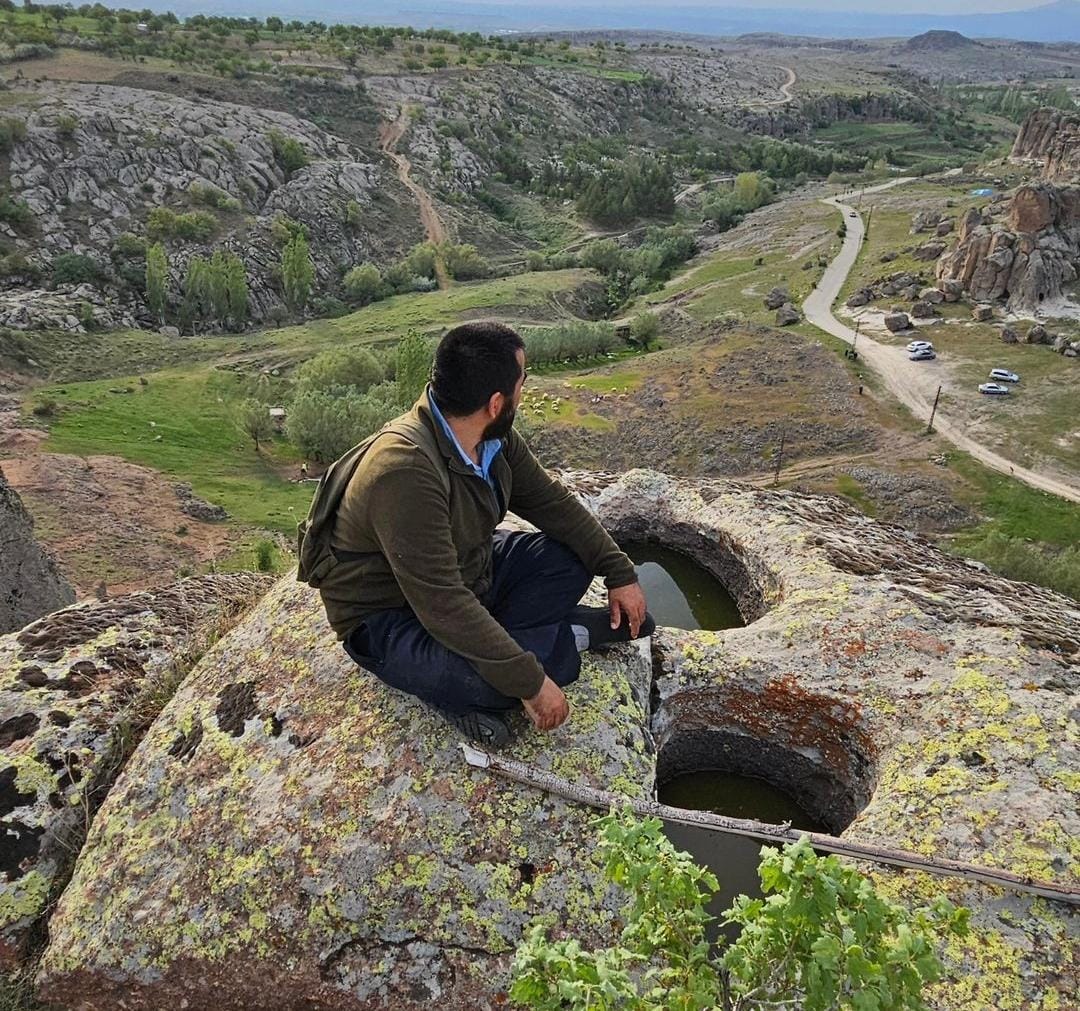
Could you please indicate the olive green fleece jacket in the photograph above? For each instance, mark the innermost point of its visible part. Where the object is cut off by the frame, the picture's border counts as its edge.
(402, 538)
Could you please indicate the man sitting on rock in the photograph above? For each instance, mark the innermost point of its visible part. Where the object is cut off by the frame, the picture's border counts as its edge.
(425, 592)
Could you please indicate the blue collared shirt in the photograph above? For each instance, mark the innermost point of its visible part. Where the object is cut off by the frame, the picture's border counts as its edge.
(487, 450)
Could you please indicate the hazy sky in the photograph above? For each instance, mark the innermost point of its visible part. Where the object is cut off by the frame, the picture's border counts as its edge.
(891, 7)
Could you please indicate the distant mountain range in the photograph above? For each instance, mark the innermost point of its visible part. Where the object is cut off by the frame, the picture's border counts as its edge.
(1053, 22)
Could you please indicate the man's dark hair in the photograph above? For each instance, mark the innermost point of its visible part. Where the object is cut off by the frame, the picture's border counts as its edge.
(472, 362)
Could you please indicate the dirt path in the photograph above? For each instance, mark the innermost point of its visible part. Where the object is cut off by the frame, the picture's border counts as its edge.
(914, 384)
(693, 188)
(785, 89)
(389, 135)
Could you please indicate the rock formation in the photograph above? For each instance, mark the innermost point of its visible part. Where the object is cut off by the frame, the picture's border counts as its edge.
(291, 827)
(1050, 138)
(76, 687)
(133, 150)
(30, 583)
(1025, 259)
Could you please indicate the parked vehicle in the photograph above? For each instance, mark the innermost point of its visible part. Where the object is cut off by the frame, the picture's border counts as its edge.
(922, 355)
(852, 214)
(1004, 375)
(920, 346)
(995, 388)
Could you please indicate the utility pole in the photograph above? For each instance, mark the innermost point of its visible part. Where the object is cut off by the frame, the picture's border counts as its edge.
(779, 459)
(930, 423)
(869, 218)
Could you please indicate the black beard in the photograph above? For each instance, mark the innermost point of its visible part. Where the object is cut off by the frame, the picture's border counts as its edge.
(500, 427)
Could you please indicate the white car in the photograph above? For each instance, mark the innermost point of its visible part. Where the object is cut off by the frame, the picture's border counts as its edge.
(920, 346)
(1004, 375)
(998, 388)
(922, 355)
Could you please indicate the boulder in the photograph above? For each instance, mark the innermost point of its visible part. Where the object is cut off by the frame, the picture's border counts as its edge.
(787, 314)
(897, 321)
(1061, 342)
(924, 310)
(1009, 334)
(72, 685)
(858, 298)
(776, 298)
(982, 313)
(1072, 352)
(292, 827)
(932, 295)
(169, 331)
(909, 293)
(923, 221)
(929, 251)
(1037, 334)
(953, 289)
(944, 227)
(888, 257)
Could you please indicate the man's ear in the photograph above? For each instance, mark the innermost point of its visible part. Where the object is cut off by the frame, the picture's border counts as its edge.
(494, 405)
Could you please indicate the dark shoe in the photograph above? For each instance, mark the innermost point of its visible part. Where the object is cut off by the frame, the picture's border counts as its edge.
(597, 620)
(480, 725)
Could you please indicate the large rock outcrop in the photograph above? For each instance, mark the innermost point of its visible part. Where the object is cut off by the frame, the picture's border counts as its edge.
(292, 834)
(1025, 259)
(1051, 139)
(76, 689)
(97, 159)
(30, 583)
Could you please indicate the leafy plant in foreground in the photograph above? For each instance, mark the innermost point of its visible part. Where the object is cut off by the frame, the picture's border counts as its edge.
(821, 938)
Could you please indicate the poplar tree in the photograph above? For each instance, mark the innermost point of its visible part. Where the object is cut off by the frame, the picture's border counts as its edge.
(157, 275)
(236, 280)
(219, 284)
(297, 272)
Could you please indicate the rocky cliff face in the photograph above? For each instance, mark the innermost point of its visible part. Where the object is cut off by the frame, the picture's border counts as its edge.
(1026, 256)
(292, 833)
(1051, 139)
(98, 159)
(30, 583)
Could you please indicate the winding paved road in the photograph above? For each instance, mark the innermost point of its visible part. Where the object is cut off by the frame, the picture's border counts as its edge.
(914, 384)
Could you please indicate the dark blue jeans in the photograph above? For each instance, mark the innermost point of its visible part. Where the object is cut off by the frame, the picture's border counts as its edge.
(535, 584)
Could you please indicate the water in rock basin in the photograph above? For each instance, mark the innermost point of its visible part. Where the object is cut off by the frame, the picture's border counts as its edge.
(680, 593)
(733, 859)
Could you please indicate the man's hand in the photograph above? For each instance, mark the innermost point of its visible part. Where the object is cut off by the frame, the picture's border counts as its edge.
(548, 708)
(628, 600)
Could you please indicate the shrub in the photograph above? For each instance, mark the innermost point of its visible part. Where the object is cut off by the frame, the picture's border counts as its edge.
(464, 262)
(12, 131)
(45, 408)
(645, 328)
(128, 246)
(822, 935)
(289, 153)
(75, 268)
(325, 424)
(364, 284)
(357, 368)
(15, 212)
(265, 556)
(211, 196)
(284, 229)
(195, 226)
(66, 125)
